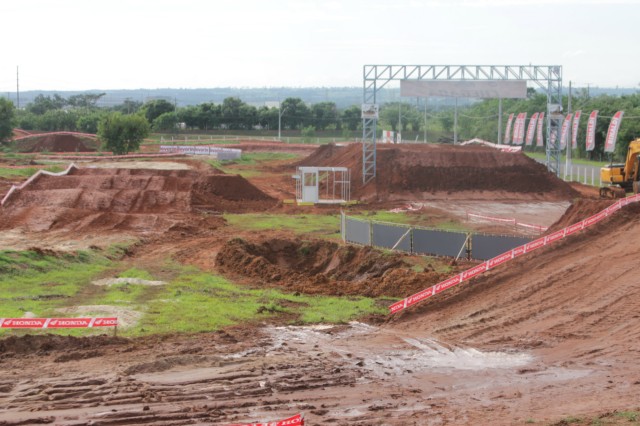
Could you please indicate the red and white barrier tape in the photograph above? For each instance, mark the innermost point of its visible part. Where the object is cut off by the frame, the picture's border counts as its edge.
(297, 420)
(58, 322)
(509, 255)
(505, 220)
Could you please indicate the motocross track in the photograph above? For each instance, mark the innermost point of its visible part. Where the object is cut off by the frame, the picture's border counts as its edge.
(550, 335)
(423, 172)
(56, 142)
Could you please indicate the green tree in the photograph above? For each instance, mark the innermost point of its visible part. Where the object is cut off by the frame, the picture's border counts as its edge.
(295, 113)
(87, 100)
(232, 113)
(268, 117)
(42, 104)
(165, 122)
(88, 123)
(352, 117)
(7, 114)
(129, 106)
(155, 108)
(122, 133)
(325, 114)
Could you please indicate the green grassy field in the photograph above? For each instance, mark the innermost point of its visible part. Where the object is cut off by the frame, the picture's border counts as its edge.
(44, 284)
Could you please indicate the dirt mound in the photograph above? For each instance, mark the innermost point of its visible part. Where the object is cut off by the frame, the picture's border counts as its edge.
(57, 142)
(139, 200)
(578, 210)
(322, 267)
(40, 344)
(581, 293)
(444, 171)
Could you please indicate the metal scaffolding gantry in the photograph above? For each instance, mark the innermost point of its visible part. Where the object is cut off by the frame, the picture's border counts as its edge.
(547, 77)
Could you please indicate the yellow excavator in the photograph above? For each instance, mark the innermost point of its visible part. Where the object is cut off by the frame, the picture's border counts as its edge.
(622, 178)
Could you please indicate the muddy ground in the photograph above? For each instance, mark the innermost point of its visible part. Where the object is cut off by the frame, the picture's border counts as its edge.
(551, 335)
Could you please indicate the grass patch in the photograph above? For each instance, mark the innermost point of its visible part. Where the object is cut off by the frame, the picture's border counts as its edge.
(31, 281)
(631, 416)
(193, 301)
(197, 301)
(246, 166)
(323, 226)
(8, 173)
(338, 310)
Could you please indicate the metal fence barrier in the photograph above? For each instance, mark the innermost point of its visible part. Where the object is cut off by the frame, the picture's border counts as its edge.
(419, 240)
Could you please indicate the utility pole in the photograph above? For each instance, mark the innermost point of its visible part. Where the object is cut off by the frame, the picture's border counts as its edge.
(399, 121)
(455, 124)
(18, 86)
(279, 119)
(425, 120)
(500, 121)
(567, 165)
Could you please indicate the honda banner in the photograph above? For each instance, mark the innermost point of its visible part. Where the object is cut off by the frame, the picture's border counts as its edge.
(58, 322)
(574, 130)
(531, 129)
(518, 129)
(591, 130)
(540, 138)
(507, 132)
(297, 420)
(564, 133)
(612, 133)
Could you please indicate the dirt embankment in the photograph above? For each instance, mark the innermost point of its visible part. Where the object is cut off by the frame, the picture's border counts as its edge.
(409, 172)
(322, 267)
(57, 142)
(141, 200)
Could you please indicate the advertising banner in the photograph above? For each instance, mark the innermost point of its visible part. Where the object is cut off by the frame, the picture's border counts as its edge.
(58, 322)
(540, 138)
(564, 133)
(518, 129)
(531, 129)
(591, 130)
(507, 132)
(612, 133)
(297, 420)
(479, 89)
(574, 130)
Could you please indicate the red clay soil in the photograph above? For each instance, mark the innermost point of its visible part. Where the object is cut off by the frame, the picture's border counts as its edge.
(551, 336)
(321, 267)
(575, 305)
(412, 171)
(140, 200)
(57, 143)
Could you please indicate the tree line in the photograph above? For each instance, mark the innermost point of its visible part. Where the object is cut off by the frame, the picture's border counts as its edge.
(413, 118)
(80, 113)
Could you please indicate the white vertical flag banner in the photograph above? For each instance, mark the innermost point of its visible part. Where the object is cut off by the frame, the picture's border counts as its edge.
(564, 133)
(591, 131)
(531, 129)
(518, 129)
(522, 128)
(612, 133)
(540, 138)
(574, 130)
(507, 132)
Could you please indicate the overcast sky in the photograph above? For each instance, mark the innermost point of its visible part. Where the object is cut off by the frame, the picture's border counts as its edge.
(131, 44)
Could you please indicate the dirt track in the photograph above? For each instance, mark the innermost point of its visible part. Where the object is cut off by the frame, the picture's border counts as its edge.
(550, 335)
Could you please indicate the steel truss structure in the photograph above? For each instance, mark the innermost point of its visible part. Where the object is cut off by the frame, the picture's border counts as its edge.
(547, 77)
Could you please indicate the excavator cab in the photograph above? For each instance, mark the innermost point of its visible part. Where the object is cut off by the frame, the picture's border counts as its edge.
(622, 177)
